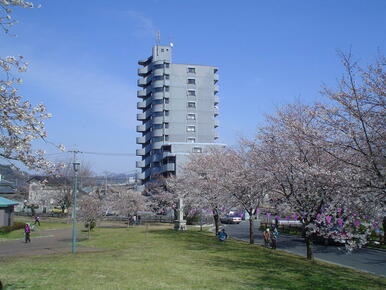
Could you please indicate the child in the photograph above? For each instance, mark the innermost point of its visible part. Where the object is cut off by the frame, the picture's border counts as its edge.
(267, 237)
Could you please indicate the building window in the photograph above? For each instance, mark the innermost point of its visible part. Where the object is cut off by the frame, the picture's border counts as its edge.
(167, 77)
(166, 89)
(166, 65)
(162, 50)
(166, 100)
(166, 125)
(191, 116)
(197, 150)
(191, 93)
(191, 81)
(191, 128)
(166, 113)
(192, 105)
(166, 137)
(191, 70)
(191, 140)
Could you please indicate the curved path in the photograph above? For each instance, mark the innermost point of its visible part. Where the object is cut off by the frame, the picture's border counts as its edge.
(373, 261)
(50, 242)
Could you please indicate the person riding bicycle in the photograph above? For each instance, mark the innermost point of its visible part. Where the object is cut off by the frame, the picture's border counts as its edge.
(222, 235)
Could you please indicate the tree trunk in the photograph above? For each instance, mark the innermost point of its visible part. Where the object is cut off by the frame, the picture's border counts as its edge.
(384, 230)
(216, 221)
(310, 255)
(251, 239)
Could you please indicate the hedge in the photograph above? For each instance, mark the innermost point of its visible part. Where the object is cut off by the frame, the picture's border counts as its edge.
(14, 227)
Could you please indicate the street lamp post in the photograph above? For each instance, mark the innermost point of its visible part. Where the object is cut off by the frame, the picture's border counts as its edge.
(74, 230)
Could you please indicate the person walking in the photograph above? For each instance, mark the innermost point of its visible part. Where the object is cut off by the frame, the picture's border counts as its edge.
(267, 237)
(37, 220)
(274, 237)
(27, 233)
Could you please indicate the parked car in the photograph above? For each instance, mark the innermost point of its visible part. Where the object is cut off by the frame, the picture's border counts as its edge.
(231, 219)
(58, 210)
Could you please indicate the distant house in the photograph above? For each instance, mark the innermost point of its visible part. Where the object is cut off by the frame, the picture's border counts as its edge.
(6, 187)
(6, 211)
(47, 191)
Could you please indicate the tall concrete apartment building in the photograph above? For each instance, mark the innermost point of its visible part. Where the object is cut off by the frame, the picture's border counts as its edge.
(179, 106)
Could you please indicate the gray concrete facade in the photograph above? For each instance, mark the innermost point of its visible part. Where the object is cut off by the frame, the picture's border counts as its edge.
(178, 109)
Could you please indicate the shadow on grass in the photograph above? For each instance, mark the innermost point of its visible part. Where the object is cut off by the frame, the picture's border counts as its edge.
(264, 267)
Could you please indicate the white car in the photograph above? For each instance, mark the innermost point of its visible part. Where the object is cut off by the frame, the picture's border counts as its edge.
(230, 219)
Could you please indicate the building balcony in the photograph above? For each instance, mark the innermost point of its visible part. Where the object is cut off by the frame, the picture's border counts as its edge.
(142, 82)
(216, 123)
(216, 100)
(169, 167)
(140, 164)
(160, 95)
(158, 84)
(146, 61)
(144, 175)
(141, 93)
(143, 71)
(141, 140)
(143, 128)
(216, 77)
(158, 132)
(216, 88)
(216, 136)
(160, 107)
(142, 105)
(215, 111)
(158, 120)
(157, 145)
(140, 152)
(143, 116)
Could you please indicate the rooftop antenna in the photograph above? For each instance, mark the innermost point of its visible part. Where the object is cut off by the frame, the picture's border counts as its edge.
(158, 38)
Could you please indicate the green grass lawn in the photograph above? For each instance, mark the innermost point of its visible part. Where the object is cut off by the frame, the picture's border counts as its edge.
(46, 224)
(161, 258)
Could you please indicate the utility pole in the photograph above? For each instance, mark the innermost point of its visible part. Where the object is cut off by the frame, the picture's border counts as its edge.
(76, 166)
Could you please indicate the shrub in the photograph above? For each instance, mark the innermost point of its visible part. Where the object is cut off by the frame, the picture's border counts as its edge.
(14, 227)
(90, 224)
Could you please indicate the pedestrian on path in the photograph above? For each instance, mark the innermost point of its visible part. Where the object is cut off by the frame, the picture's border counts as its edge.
(274, 237)
(37, 220)
(27, 233)
(267, 237)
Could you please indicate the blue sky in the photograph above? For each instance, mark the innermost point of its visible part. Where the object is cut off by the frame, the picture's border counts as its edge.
(83, 60)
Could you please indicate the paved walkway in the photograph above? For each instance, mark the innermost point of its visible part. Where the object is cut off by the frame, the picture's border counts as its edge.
(51, 242)
(373, 261)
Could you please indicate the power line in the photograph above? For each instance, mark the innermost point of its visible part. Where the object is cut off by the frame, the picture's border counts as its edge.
(93, 153)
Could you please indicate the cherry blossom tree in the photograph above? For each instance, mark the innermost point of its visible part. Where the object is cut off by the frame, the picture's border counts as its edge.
(244, 179)
(355, 122)
(203, 183)
(90, 210)
(20, 122)
(311, 182)
(126, 202)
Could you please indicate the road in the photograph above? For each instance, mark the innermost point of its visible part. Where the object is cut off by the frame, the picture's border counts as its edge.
(373, 261)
